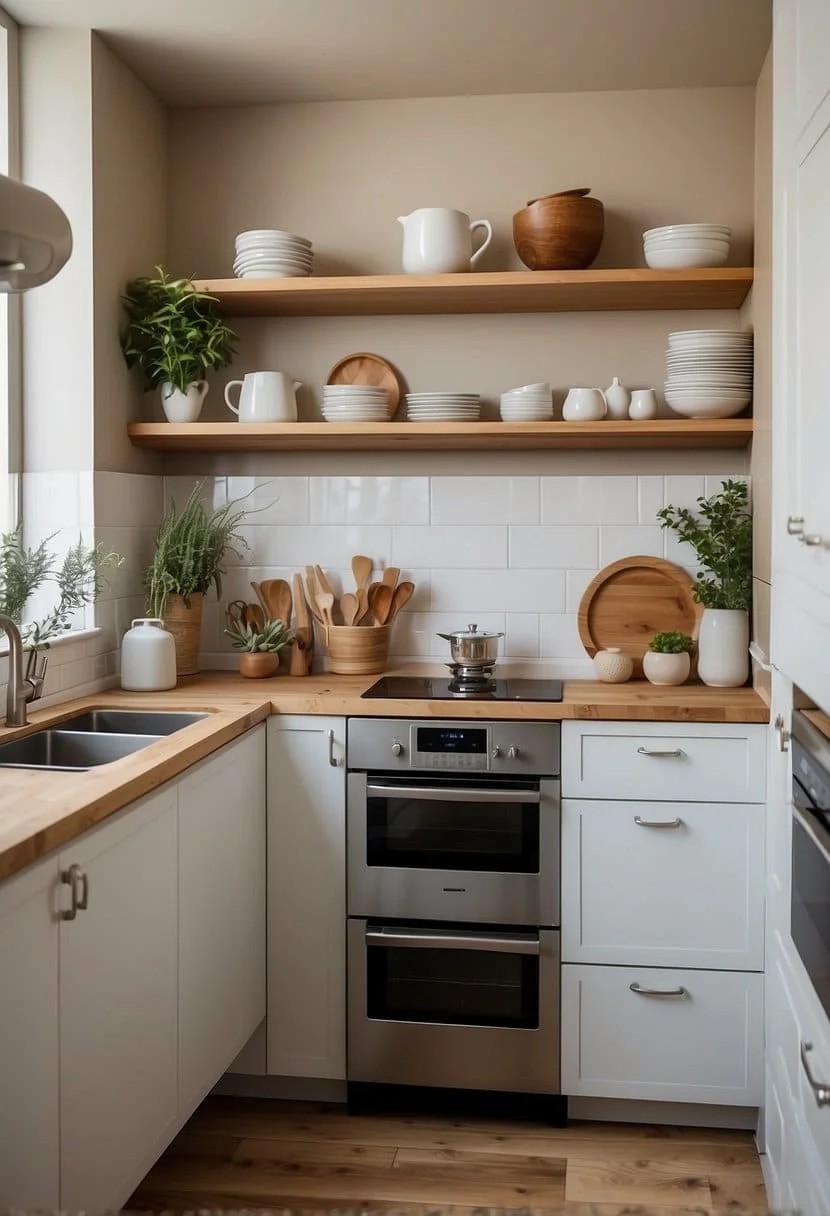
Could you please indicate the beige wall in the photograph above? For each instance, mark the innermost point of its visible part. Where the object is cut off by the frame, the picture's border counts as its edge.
(129, 168)
(341, 172)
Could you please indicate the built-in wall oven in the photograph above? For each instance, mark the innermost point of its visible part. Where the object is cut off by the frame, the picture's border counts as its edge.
(810, 907)
(453, 905)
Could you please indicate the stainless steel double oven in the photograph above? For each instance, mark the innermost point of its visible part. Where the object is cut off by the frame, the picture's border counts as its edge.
(453, 833)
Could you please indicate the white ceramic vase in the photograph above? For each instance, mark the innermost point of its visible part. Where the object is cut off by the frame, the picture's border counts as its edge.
(666, 668)
(617, 399)
(723, 647)
(183, 407)
(613, 666)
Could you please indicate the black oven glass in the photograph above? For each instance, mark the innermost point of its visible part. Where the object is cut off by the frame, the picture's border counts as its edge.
(810, 910)
(436, 834)
(453, 987)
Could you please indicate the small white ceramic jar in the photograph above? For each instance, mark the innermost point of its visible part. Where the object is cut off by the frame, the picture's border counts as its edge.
(613, 666)
(617, 399)
(666, 668)
(148, 657)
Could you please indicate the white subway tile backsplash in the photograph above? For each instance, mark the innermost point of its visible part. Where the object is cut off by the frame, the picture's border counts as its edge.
(416, 633)
(128, 500)
(300, 545)
(576, 582)
(444, 546)
(616, 542)
(485, 500)
(539, 547)
(650, 492)
(559, 636)
(684, 491)
(589, 500)
(472, 591)
(369, 500)
(271, 500)
(522, 636)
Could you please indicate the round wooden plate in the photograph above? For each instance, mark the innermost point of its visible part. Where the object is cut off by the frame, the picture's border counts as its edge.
(631, 600)
(365, 368)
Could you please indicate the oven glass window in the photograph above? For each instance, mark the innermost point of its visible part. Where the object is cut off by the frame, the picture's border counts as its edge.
(456, 987)
(432, 834)
(810, 911)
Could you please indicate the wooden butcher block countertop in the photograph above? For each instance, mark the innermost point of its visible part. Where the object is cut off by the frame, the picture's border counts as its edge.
(41, 811)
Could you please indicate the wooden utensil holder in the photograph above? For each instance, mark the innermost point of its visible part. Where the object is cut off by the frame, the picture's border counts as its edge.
(357, 650)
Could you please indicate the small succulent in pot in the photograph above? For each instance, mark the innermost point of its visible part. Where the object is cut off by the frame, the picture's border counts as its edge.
(260, 647)
(667, 659)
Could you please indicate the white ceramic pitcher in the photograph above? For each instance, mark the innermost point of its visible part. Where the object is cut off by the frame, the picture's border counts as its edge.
(264, 397)
(438, 240)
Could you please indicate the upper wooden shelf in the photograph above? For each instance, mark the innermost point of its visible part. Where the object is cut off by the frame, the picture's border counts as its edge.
(503, 292)
(439, 437)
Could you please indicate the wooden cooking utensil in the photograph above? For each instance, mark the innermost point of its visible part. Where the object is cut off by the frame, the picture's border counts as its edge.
(257, 587)
(236, 614)
(380, 602)
(362, 569)
(371, 370)
(362, 594)
(302, 648)
(311, 593)
(255, 616)
(390, 576)
(323, 581)
(325, 602)
(401, 596)
(276, 593)
(349, 606)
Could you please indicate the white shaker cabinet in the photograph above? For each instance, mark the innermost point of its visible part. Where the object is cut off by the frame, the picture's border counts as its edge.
(307, 897)
(29, 1115)
(221, 912)
(118, 1004)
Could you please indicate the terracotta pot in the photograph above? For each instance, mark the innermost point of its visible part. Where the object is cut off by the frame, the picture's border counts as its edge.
(185, 624)
(258, 664)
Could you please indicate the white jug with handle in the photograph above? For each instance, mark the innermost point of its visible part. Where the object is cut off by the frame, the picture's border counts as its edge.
(438, 240)
(264, 397)
(584, 405)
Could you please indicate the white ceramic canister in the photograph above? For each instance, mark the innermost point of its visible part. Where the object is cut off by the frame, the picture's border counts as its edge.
(666, 668)
(617, 399)
(613, 666)
(148, 657)
(723, 647)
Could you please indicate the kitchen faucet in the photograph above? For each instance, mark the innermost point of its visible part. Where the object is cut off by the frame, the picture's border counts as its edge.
(20, 689)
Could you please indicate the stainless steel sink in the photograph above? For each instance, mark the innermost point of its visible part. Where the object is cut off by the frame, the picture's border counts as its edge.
(129, 722)
(73, 751)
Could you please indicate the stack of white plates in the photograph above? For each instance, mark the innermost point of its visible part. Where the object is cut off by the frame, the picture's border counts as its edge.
(443, 407)
(530, 403)
(709, 372)
(355, 403)
(681, 246)
(268, 253)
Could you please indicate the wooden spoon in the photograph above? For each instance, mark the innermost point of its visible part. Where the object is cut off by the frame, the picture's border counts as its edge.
(255, 616)
(390, 576)
(323, 581)
(401, 595)
(362, 569)
(276, 593)
(325, 602)
(381, 603)
(349, 606)
(362, 594)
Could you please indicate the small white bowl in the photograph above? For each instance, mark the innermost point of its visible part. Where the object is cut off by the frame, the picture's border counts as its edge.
(689, 230)
(683, 258)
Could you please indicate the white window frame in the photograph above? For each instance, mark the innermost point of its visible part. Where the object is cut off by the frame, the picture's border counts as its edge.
(10, 307)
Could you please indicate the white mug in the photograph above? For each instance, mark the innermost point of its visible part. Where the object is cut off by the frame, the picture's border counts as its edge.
(643, 404)
(439, 240)
(264, 397)
(584, 405)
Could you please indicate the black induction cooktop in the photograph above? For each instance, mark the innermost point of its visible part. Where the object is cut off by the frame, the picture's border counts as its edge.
(417, 688)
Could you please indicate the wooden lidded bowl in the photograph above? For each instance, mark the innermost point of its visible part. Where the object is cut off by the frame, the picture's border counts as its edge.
(559, 231)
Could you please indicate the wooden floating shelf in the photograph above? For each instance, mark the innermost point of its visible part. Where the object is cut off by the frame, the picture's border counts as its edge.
(439, 437)
(502, 292)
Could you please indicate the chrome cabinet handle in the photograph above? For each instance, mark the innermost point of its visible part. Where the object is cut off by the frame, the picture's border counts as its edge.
(795, 525)
(493, 943)
(334, 761)
(812, 541)
(657, 823)
(783, 734)
(83, 898)
(78, 883)
(437, 793)
(674, 754)
(680, 991)
(821, 1091)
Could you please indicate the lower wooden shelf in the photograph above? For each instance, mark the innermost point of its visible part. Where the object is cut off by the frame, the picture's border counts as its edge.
(439, 437)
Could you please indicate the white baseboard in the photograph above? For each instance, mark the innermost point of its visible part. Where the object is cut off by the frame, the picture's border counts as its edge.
(679, 1114)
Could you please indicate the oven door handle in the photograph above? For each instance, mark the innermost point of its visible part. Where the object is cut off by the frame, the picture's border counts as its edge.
(495, 943)
(451, 793)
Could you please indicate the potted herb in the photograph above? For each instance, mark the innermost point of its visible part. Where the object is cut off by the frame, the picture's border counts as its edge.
(174, 336)
(191, 544)
(260, 647)
(721, 536)
(667, 659)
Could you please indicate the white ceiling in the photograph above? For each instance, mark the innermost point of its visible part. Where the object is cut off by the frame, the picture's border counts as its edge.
(201, 52)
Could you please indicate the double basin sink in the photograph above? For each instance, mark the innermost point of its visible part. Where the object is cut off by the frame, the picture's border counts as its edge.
(95, 737)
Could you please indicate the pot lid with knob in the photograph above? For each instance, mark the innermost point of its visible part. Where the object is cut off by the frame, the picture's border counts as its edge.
(472, 632)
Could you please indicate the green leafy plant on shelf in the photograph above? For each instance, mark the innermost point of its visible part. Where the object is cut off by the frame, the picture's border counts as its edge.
(671, 642)
(173, 332)
(721, 536)
(273, 637)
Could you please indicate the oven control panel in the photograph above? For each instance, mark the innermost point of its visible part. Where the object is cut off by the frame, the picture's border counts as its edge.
(453, 745)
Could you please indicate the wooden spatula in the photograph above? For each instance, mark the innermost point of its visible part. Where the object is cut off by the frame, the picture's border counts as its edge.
(311, 593)
(303, 646)
(276, 593)
(390, 576)
(362, 569)
(255, 616)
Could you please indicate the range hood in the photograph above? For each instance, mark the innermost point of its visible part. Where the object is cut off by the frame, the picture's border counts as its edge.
(35, 236)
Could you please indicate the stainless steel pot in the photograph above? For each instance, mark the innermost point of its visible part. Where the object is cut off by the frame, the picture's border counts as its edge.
(470, 648)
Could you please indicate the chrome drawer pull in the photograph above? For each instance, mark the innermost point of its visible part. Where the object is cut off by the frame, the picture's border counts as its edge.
(680, 991)
(77, 881)
(674, 754)
(333, 760)
(795, 525)
(821, 1092)
(812, 541)
(657, 823)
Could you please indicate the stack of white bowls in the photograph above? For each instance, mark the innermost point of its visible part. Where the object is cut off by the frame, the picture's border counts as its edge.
(268, 253)
(355, 403)
(443, 407)
(530, 403)
(684, 246)
(709, 372)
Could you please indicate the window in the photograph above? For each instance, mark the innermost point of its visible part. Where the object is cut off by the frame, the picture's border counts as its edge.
(10, 378)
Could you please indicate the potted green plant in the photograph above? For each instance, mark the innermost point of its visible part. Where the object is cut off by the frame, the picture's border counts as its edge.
(191, 544)
(260, 647)
(721, 536)
(174, 336)
(667, 659)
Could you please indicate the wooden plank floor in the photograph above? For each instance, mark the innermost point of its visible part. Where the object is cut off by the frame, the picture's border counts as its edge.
(246, 1153)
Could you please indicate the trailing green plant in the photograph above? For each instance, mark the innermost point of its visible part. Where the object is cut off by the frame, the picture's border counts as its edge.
(173, 332)
(78, 581)
(671, 642)
(271, 638)
(721, 536)
(190, 547)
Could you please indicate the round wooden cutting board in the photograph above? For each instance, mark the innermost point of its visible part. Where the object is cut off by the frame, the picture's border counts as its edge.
(631, 600)
(369, 369)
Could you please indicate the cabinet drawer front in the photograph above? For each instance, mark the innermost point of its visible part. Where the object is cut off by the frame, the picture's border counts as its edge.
(664, 762)
(689, 893)
(703, 1046)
